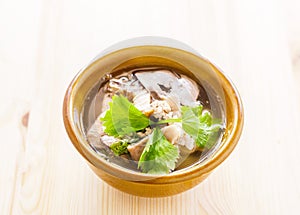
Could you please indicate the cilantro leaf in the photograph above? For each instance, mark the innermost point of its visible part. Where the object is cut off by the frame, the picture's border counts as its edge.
(159, 155)
(199, 124)
(123, 117)
(119, 147)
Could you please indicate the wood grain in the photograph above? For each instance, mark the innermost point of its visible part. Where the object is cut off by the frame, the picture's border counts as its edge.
(44, 44)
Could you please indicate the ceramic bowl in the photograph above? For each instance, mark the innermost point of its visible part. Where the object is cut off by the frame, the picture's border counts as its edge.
(157, 52)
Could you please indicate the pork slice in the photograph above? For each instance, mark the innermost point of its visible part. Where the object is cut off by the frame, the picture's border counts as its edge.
(142, 102)
(176, 135)
(164, 83)
(172, 133)
(136, 149)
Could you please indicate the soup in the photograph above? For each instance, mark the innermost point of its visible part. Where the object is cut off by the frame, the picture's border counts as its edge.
(153, 119)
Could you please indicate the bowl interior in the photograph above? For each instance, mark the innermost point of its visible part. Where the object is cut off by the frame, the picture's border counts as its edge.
(89, 79)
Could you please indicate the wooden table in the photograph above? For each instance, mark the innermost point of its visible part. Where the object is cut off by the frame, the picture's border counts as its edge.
(43, 44)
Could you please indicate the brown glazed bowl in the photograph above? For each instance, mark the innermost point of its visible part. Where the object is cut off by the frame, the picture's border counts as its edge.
(158, 52)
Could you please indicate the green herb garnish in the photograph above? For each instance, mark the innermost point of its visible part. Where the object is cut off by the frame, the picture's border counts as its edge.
(119, 147)
(123, 117)
(159, 155)
(199, 124)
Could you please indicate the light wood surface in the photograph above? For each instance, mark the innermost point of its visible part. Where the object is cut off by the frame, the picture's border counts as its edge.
(44, 43)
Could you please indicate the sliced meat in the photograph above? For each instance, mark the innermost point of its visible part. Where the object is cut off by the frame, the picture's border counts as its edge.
(173, 102)
(164, 83)
(172, 133)
(187, 141)
(136, 150)
(190, 86)
(142, 102)
(176, 135)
